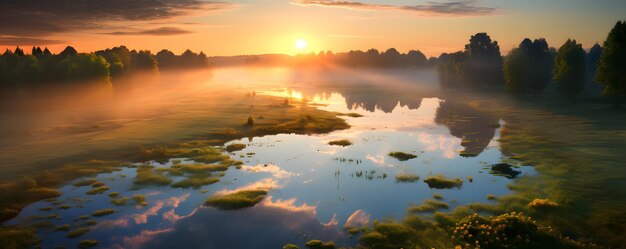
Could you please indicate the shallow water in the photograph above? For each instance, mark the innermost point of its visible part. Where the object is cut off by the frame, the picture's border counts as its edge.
(315, 189)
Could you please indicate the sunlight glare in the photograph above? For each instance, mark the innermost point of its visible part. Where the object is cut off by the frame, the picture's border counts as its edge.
(301, 44)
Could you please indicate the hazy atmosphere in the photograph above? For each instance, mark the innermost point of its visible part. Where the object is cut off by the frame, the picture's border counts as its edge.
(314, 124)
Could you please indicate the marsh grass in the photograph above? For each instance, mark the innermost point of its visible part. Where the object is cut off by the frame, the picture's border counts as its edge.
(77, 232)
(351, 114)
(235, 147)
(438, 196)
(428, 206)
(120, 201)
(114, 194)
(318, 244)
(148, 176)
(237, 200)
(201, 168)
(195, 182)
(64, 227)
(407, 177)
(544, 204)
(103, 212)
(140, 200)
(85, 182)
(402, 156)
(18, 237)
(87, 243)
(98, 190)
(441, 182)
(342, 142)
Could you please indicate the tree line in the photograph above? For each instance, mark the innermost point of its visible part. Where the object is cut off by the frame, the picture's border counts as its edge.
(532, 66)
(22, 71)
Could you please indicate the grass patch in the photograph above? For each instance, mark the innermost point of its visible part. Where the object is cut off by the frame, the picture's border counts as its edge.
(98, 190)
(428, 206)
(201, 168)
(147, 176)
(64, 227)
(85, 182)
(120, 201)
(235, 147)
(401, 156)
(103, 212)
(491, 197)
(195, 182)
(140, 200)
(237, 200)
(318, 244)
(543, 204)
(438, 196)
(407, 177)
(77, 232)
(342, 142)
(351, 114)
(441, 182)
(114, 194)
(87, 243)
(18, 237)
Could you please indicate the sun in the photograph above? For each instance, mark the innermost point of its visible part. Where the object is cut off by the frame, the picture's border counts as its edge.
(301, 44)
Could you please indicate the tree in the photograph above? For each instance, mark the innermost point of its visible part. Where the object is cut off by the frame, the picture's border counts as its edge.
(69, 50)
(611, 71)
(569, 69)
(528, 68)
(592, 63)
(143, 60)
(484, 62)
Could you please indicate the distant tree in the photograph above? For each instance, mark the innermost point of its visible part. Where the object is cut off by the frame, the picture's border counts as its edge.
(18, 51)
(69, 50)
(36, 51)
(611, 71)
(143, 61)
(451, 70)
(46, 52)
(28, 69)
(569, 69)
(591, 65)
(528, 68)
(166, 59)
(416, 57)
(484, 62)
(79, 67)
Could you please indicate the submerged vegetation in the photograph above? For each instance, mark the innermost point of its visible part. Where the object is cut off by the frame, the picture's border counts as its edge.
(407, 177)
(237, 200)
(235, 147)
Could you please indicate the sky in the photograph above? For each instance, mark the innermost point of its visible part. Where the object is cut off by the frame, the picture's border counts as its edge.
(239, 27)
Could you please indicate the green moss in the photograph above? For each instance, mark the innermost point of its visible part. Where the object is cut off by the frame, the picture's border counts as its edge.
(87, 243)
(98, 190)
(195, 182)
(407, 177)
(402, 156)
(18, 237)
(237, 200)
(114, 194)
(103, 212)
(77, 232)
(342, 142)
(235, 147)
(441, 182)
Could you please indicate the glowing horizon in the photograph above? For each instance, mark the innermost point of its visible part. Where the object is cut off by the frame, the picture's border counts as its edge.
(240, 27)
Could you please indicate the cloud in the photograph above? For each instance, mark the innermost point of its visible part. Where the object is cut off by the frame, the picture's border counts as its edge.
(11, 41)
(448, 8)
(28, 18)
(269, 168)
(163, 31)
(266, 184)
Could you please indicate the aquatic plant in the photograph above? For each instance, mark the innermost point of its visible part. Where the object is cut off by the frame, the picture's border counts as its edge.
(195, 182)
(351, 114)
(120, 201)
(85, 182)
(103, 212)
(318, 244)
(87, 243)
(77, 232)
(146, 175)
(428, 206)
(407, 177)
(114, 194)
(18, 237)
(401, 155)
(140, 200)
(441, 182)
(64, 227)
(543, 204)
(491, 197)
(201, 168)
(291, 246)
(237, 200)
(437, 196)
(235, 147)
(342, 142)
(98, 190)
(504, 169)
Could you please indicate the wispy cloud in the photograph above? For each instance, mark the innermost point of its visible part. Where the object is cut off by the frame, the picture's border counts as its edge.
(163, 31)
(12, 40)
(33, 18)
(433, 8)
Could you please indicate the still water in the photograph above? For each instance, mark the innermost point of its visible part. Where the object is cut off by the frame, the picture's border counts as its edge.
(315, 189)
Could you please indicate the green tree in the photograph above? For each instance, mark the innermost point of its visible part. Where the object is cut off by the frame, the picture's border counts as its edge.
(569, 69)
(484, 62)
(611, 70)
(528, 68)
